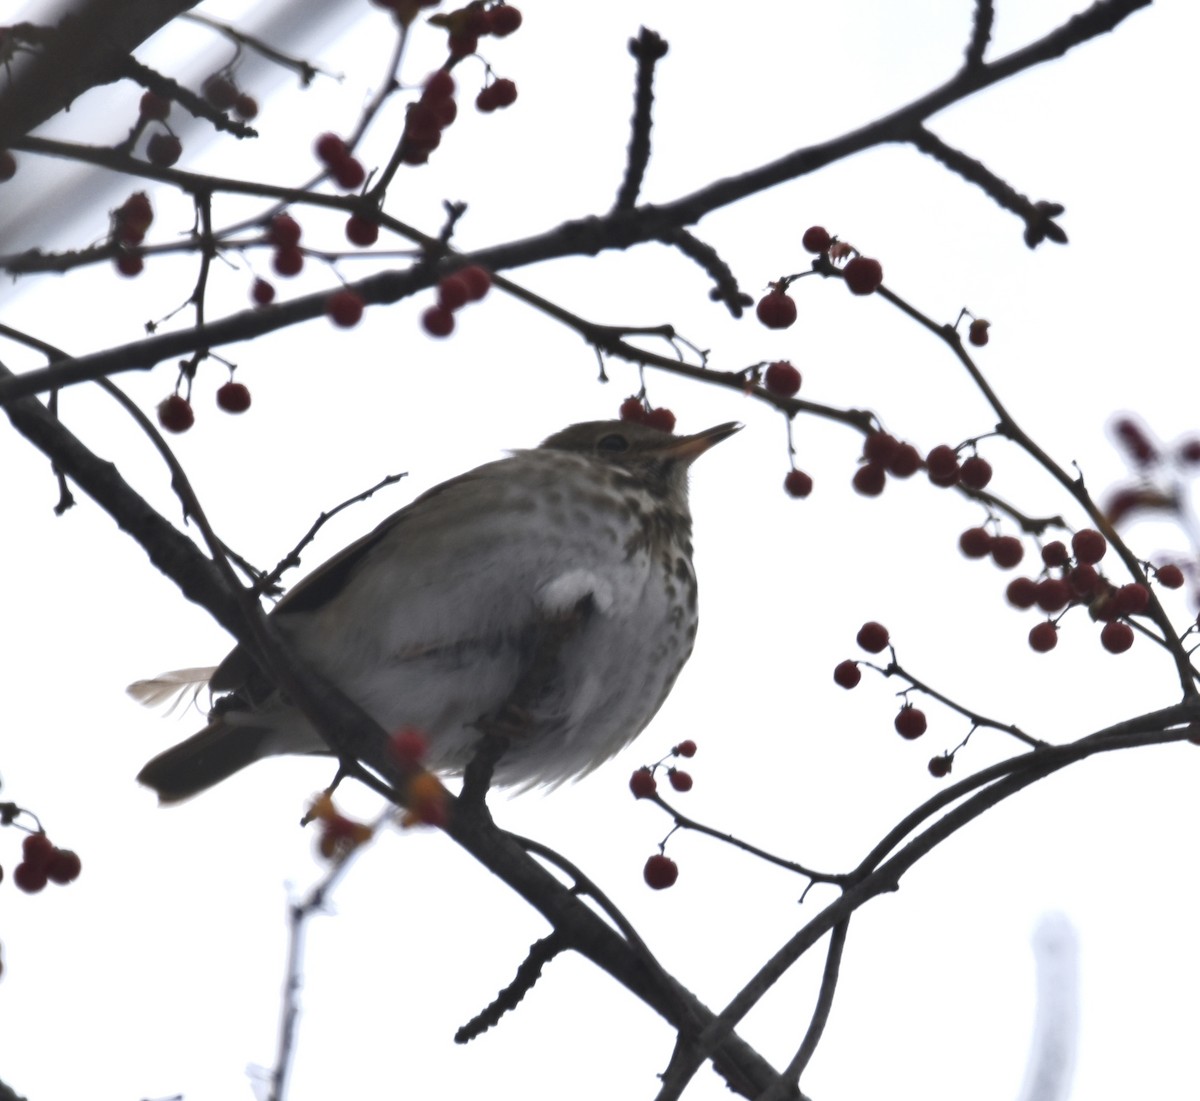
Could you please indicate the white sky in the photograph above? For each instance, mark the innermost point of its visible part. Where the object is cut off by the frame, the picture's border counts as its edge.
(159, 971)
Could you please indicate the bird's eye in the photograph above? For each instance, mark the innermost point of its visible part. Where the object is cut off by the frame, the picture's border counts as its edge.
(613, 442)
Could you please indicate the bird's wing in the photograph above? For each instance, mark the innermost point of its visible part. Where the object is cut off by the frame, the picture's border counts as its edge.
(462, 566)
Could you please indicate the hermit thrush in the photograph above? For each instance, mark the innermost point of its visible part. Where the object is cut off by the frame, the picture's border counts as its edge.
(549, 595)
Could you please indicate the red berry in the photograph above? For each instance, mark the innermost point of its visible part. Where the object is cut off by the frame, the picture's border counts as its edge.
(502, 21)
(462, 45)
(8, 165)
(233, 397)
(220, 91)
(30, 878)
(869, 479)
(132, 219)
(504, 92)
(245, 107)
(287, 261)
(1169, 576)
(975, 472)
(409, 746)
(847, 673)
(153, 106)
(632, 409)
(421, 125)
(163, 150)
(283, 231)
(345, 308)
(438, 321)
(905, 462)
(1053, 594)
(942, 465)
(37, 849)
(660, 872)
(1083, 580)
(816, 239)
(64, 866)
(445, 111)
(1022, 592)
(797, 484)
(977, 334)
(662, 419)
(1131, 599)
(863, 275)
(1116, 637)
(478, 280)
(1055, 553)
(129, 263)
(782, 379)
(349, 173)
(1007, 551)
(453, 292)
(680, 780)
(686, 748)
(331, 149)
(873, 637)
(939, 767)
(262, 292)
(879, 447)
(1044, 637)
(975, 542)
(910, 723)
(642, 783)
(1089, 546)
(438, 85)
(175, 413)
(776, 310)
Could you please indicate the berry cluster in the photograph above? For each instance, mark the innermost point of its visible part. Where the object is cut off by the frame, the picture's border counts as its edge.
(874, 637)
(468, 284)
(863, 274)
(500, 93)
(222, 92)
(1070, 578)
(660, 870)
(883, 454)
(129, 223)
(643, 784)
(428, 117)
(175, 412)
(44, 862)
(468, 25)
(343, 166)
(639, 411)
(283, 234)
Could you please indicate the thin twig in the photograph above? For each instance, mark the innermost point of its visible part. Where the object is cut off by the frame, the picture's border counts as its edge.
(648, 49)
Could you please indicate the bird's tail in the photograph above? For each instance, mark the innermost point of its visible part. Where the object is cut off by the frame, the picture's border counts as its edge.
(206, 758)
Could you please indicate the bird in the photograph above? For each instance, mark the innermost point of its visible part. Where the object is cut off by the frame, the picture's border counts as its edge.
(549, 596)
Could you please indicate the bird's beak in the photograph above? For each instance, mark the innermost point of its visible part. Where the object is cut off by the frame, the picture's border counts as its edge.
(690, 448)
